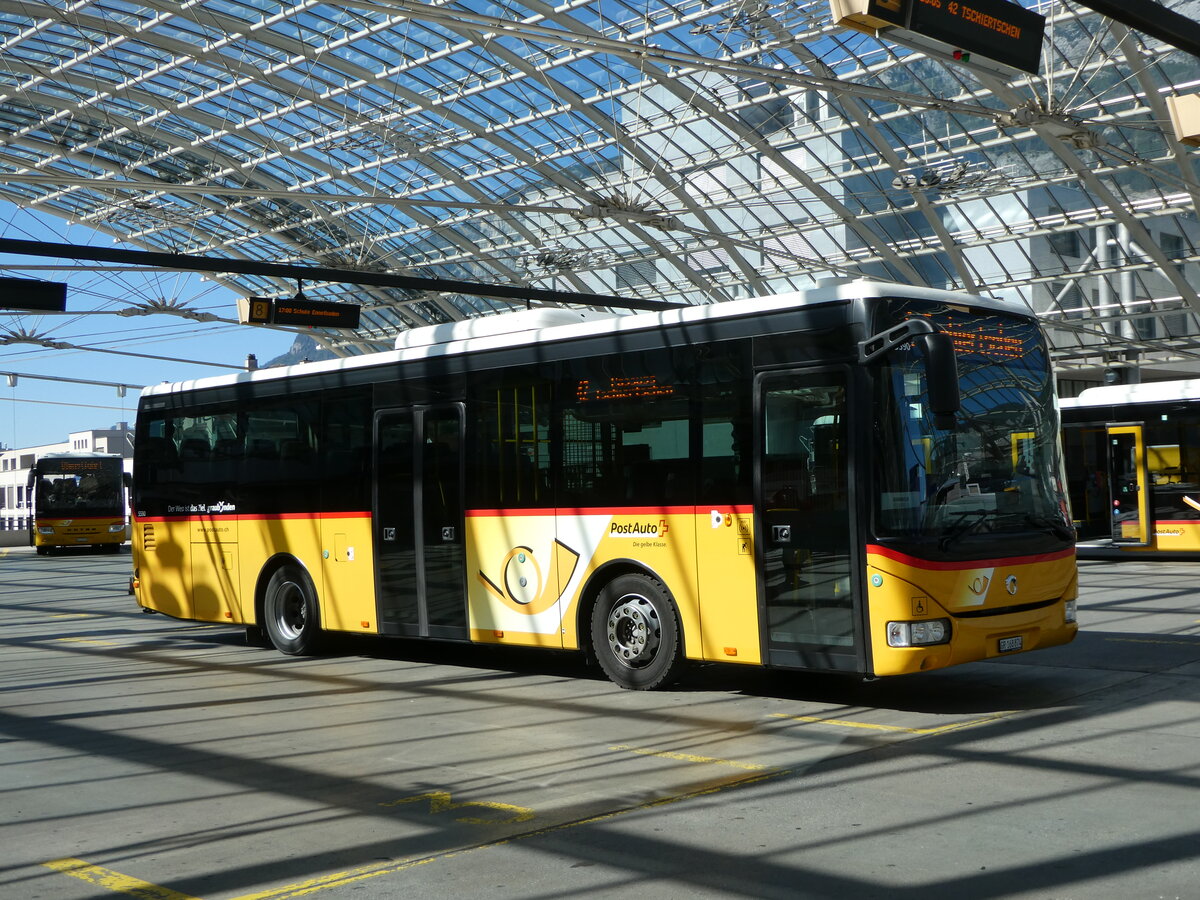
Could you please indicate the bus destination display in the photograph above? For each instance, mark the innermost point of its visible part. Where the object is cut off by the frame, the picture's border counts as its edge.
(629, 388)
(989, 342)
(77, 465)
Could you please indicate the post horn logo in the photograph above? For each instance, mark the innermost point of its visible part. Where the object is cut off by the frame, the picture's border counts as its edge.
(523, 587)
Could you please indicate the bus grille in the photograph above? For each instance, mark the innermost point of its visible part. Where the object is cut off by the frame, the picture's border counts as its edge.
(148, 542)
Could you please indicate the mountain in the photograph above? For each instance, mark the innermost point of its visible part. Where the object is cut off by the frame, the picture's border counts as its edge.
(303, 349)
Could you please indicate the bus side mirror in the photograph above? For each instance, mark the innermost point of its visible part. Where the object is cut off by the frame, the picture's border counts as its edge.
(941, 376)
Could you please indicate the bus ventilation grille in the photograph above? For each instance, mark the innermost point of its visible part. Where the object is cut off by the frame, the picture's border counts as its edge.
(148, 537)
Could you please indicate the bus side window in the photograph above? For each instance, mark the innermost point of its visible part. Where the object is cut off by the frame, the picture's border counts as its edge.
(344, 441)
(726, 425)
(626, 436)
(508, 460)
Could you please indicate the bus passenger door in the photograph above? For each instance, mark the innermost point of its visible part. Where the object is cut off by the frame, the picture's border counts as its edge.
(419, 522)
(804, 501)
(1128, 486)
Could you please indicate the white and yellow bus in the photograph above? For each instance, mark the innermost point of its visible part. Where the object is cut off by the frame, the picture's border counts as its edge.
(862, 479)
(1133, 468)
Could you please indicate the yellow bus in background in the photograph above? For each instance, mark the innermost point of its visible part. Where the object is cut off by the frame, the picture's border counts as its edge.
(863, 478)
(78, 500)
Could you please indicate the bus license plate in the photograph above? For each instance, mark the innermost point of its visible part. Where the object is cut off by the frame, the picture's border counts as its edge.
(1009, 644)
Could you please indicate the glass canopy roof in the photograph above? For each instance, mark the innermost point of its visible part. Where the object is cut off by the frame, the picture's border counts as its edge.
(691, 152)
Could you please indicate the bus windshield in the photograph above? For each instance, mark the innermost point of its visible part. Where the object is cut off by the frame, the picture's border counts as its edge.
(998, 470)
(78, 487)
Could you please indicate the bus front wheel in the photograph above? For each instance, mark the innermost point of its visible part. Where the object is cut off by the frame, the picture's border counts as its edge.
(290, 612)
(635, 633)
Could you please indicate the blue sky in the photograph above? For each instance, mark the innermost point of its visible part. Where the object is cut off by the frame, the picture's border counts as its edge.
(37, 412)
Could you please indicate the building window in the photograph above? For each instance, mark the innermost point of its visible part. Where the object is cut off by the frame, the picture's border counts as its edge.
(1068, 297)
(1066, 243)
(1176, 324)
(1145, 327)
(1172, 248)
(634, 274)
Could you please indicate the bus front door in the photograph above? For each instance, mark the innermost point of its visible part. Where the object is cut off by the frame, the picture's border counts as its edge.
(1128, 485)
(804, 500)
(420, 574)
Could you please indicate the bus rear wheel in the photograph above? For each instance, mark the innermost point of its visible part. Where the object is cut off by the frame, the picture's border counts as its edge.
(635, 633)
(290, 613)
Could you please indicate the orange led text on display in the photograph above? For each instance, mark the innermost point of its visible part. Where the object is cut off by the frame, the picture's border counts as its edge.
(630, 388)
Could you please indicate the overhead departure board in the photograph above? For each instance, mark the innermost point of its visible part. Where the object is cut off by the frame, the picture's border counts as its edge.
(997, 29)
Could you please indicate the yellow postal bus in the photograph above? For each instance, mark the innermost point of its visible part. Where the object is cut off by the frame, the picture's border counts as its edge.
(78, 500)
(862, 479)
(1133, 467)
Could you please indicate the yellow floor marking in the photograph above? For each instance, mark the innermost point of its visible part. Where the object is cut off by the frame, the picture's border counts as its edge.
(689, 757)
(872, 726)
(337, 879)
(74, 615)
(146, 891)
(114, 881)
(440, 801)
(350, 876)
(1149, 641)
(75, 640)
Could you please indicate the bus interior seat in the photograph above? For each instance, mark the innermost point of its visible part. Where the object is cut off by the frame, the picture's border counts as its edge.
(787, 476)
(293, 451)
(657, 481)
(261, 448)
(194, 448)
(159, 450)
(720, 476)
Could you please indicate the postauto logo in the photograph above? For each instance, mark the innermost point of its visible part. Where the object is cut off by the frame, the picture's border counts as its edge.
(638, 529)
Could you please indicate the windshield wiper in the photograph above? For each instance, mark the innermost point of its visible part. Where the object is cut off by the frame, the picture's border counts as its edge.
(1050, 526)
(959, 529)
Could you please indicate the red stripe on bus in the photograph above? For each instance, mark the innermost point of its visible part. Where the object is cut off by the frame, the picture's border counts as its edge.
(967, 563)
(613, 511)
(255, 517)
(79, 518)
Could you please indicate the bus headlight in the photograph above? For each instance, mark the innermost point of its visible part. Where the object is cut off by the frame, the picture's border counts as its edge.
(119, 526)
(45, 529)
(918, 634)
(1069, 611)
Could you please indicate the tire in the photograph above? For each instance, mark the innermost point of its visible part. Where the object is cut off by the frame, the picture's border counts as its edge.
(635, 633)
(290, 613)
